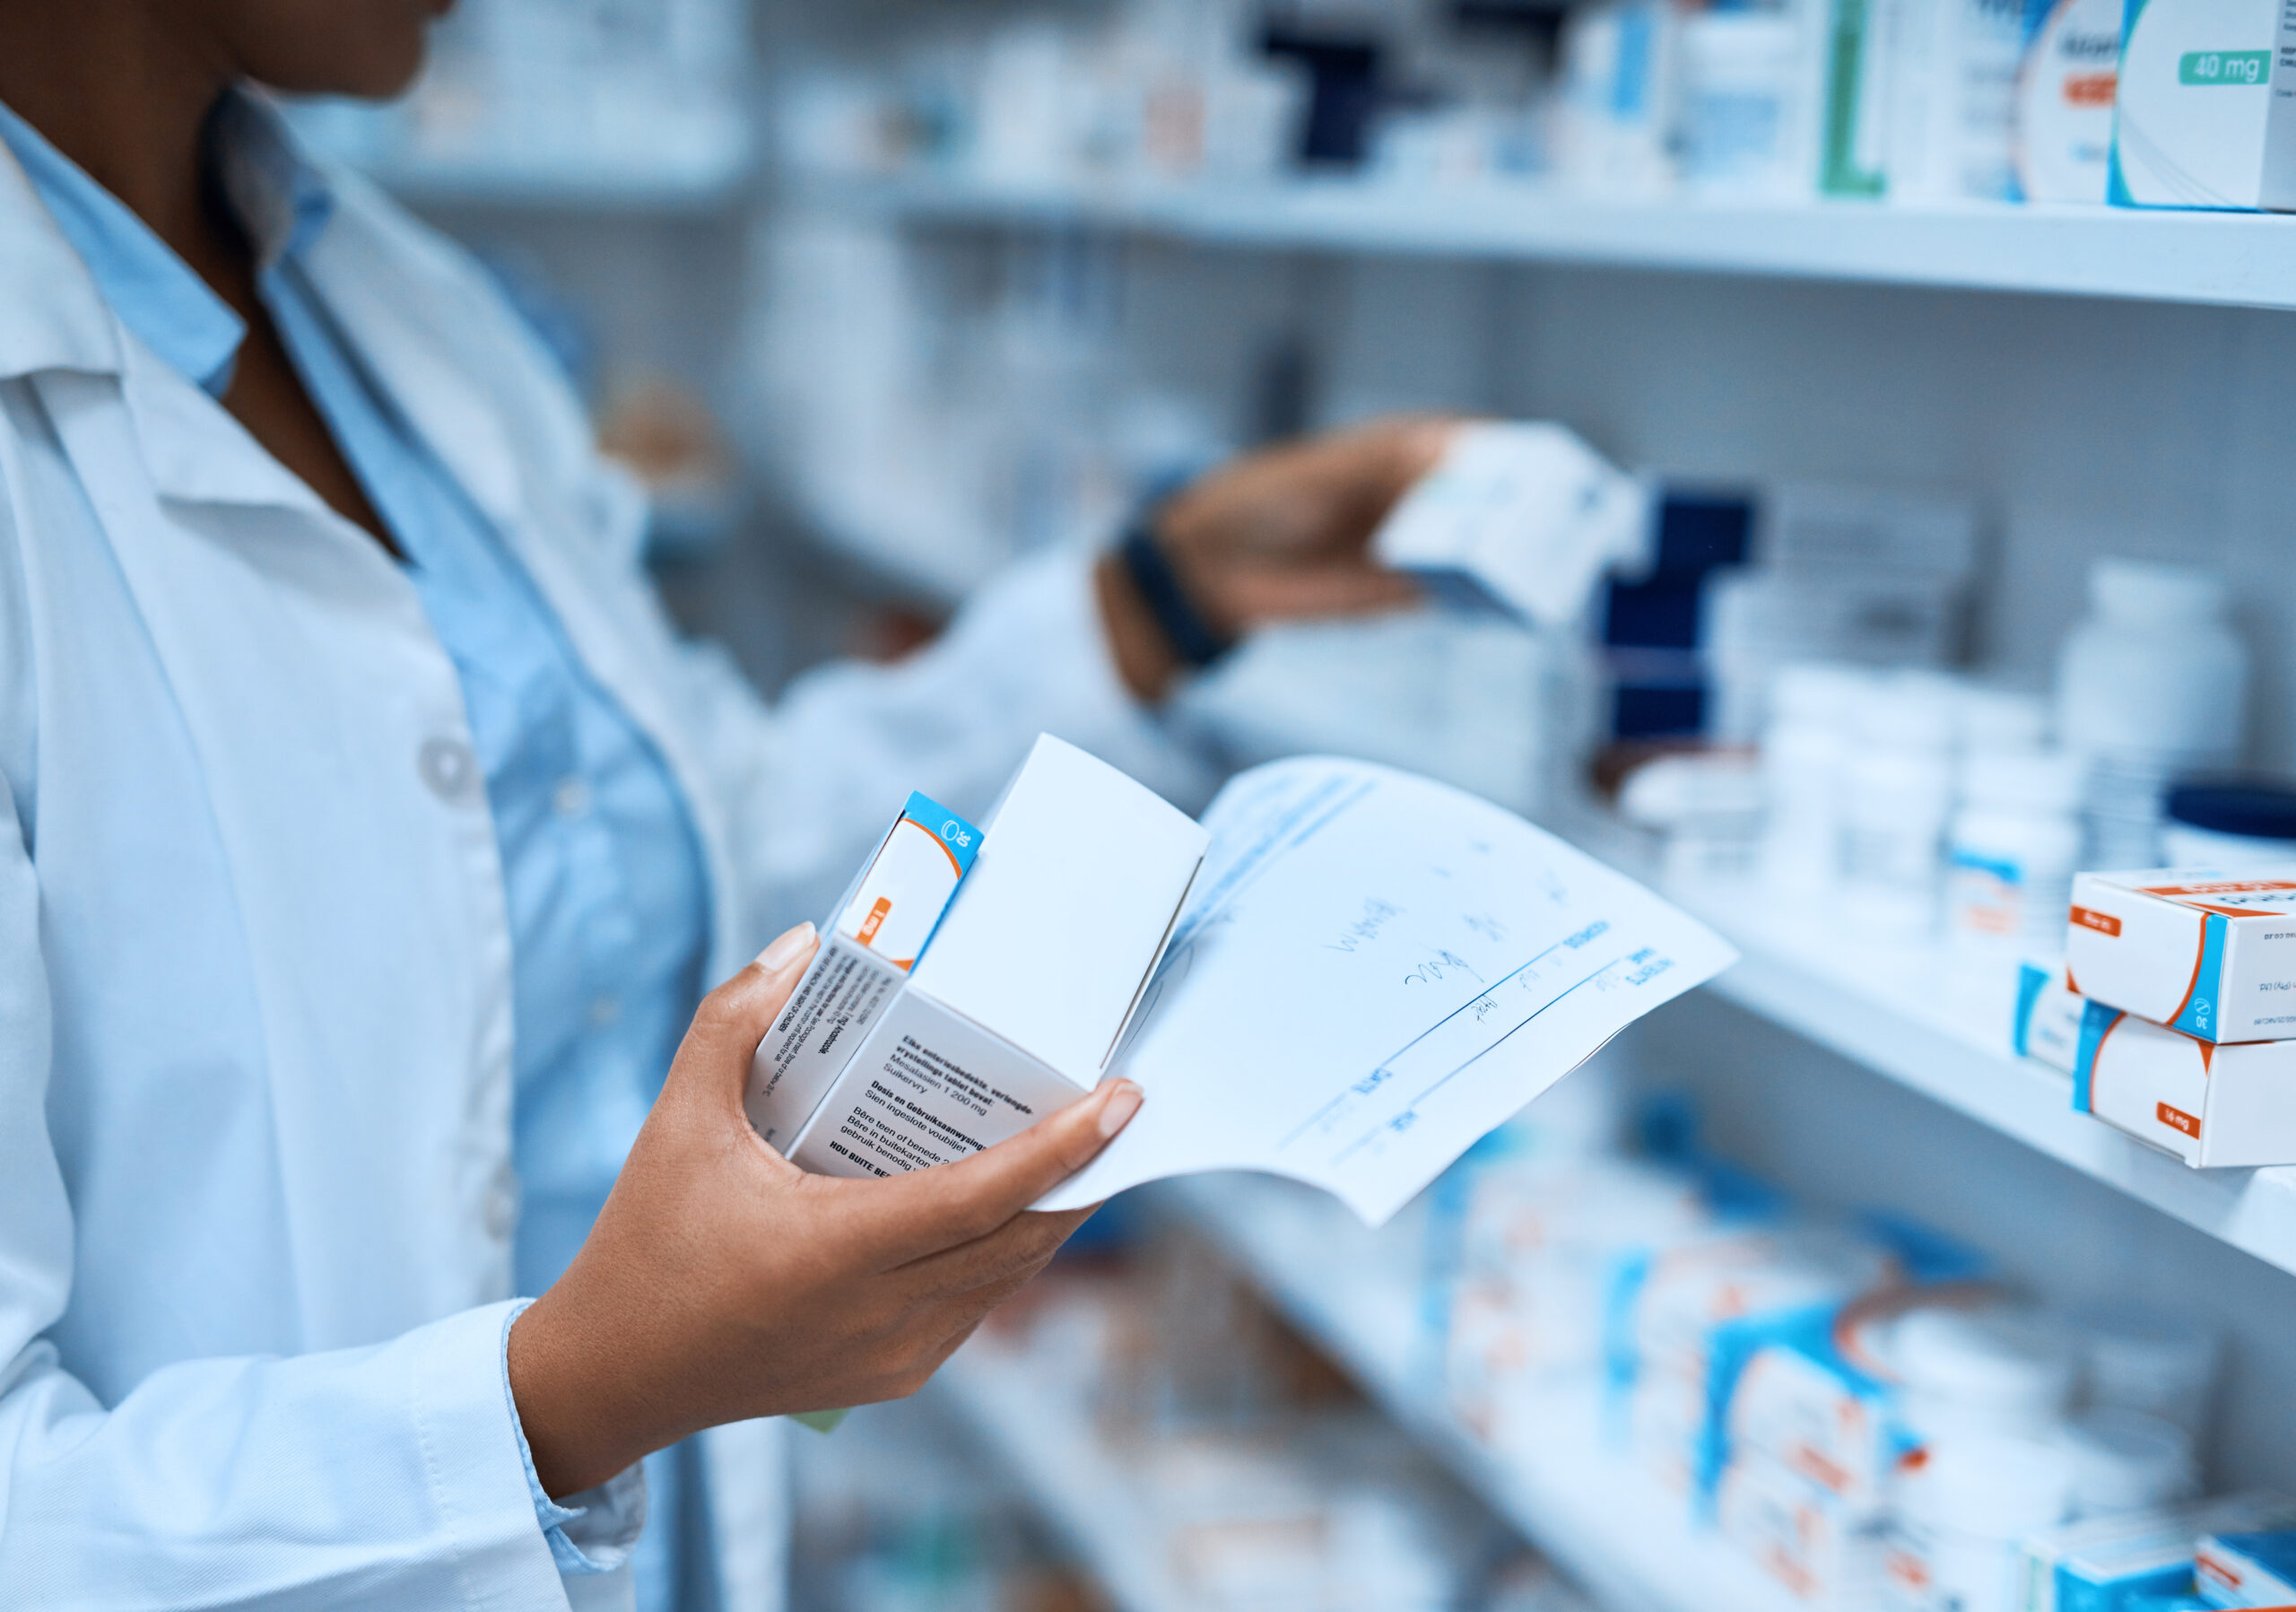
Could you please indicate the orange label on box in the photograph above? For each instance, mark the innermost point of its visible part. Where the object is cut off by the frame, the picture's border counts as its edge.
(874, 921)
(2175, 1119)
(2104, 923)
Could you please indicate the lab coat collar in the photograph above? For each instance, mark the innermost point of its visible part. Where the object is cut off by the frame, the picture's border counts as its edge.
(196, 451)
(52, 316)
(280, 199)
(372, 282)
(155, 292)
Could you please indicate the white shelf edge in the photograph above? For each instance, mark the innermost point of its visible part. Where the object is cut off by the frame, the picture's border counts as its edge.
(2228, 258)
(1087, 1499)
(703, 188)
(1613, 1529)
(1813, 983)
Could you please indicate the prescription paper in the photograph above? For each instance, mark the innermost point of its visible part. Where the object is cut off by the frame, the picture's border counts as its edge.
(1371, 973)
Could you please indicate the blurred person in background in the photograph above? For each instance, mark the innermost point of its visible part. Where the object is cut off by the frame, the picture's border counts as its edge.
(368, 842)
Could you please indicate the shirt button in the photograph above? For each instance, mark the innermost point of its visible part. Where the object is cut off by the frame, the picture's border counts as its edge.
(605, 1010)
(571, 799)
(449, 767)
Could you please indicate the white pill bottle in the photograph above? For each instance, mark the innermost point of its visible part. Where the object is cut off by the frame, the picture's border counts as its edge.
(1897, 799)
(2152, 685)
(2011, 852)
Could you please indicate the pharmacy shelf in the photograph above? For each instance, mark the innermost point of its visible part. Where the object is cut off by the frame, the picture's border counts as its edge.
(701, 187)
(1049, 1450)
(1627, 1541)
(2241, 259)
(1358, 1295)
(1899, 1012)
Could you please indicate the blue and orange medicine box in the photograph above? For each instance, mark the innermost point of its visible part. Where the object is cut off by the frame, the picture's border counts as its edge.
(881, 927)
(2210, 1104)
(2246, 1570)
(2212, 954)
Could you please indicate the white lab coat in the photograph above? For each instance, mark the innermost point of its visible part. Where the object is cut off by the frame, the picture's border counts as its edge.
(255, 972)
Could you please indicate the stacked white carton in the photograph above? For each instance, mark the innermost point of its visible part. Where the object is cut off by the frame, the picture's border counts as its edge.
(1019, 1002)
(2189, 1030)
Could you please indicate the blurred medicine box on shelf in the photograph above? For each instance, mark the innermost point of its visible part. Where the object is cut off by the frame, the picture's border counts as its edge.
(2210, 953)
(2047, 1028)
(2246, 1570)
(2197, 119)
(2211, 1105)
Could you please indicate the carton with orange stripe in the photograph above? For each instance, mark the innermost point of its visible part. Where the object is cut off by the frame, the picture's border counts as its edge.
(1034, 971)
(2209, 1104)
(2248, 1570)
(881, 929)
(2213, 955)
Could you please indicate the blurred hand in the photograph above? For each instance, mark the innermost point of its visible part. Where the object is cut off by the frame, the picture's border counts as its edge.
(722, 1281)
(1277, 534)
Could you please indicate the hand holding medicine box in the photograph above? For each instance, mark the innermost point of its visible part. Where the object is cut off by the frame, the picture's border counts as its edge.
(1518, 520)
(1345, 975)
(1039, 951)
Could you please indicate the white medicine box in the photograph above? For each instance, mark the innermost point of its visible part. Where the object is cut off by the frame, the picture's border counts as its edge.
(1031, 977)
(2211, 954)
(2047, 1023)
(2210, 1105)
(2204, 107)
(1518, 520)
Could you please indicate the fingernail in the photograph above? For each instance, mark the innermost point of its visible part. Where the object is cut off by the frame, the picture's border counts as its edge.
(786, 949)
(1117, 1108)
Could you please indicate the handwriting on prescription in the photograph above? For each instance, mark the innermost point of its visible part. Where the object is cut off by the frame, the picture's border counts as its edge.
(1440, 967)
(1376, 915)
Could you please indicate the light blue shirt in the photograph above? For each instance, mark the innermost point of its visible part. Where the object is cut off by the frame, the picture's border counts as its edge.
(607, 898)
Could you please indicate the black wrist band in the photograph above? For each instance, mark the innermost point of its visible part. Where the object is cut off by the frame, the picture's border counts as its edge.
(1195, 640)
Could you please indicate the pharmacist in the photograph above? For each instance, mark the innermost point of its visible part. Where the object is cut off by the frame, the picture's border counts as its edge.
(366, 845)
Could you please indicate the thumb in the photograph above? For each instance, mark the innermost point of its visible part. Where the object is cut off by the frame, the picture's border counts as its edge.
(926, 1211)
(733, 1019)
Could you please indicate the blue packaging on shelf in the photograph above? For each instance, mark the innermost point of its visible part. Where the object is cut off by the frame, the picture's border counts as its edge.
(2246, 1570)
